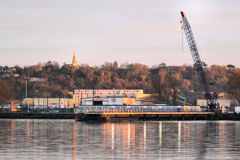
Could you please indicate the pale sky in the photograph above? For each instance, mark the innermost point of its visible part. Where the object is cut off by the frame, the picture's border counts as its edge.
(143, 31)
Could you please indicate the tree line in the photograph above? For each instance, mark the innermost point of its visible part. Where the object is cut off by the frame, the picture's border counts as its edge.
(167, 83)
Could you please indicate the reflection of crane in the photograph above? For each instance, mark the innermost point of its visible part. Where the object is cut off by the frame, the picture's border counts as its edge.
(198, 64)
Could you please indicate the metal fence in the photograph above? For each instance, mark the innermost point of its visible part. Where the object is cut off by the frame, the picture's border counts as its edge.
(136, 109)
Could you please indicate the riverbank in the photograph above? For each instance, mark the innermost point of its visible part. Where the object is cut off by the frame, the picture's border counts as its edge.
(37, 115)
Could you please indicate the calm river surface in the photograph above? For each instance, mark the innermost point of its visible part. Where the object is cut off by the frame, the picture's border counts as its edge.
(67, 139)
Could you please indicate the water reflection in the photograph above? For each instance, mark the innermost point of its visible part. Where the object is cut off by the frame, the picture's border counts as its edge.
(129, 135)
(67, 139)
(160, 134)
(179, 134)
(13, 131)
(75, 133)
(144, 137)
(113, 135)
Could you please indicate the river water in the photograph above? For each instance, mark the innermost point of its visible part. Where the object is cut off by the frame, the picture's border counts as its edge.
(67, 139)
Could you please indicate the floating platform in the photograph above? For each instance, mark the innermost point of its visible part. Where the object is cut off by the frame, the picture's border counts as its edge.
(112, 116)
(142, 116)
(151, 113)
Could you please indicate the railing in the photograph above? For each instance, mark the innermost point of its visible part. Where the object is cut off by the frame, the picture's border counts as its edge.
(135, 109)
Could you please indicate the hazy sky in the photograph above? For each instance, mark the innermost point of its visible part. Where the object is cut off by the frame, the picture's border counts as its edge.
(144, 31)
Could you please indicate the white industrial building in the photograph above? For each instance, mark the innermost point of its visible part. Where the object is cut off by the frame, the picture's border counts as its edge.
(86, 93)
(103, 101)
(221, 102)
(109, 97)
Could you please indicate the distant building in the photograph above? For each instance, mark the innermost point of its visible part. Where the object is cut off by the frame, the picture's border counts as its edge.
(113, 101)
(74, 61)
(109, 97)
(49, 102)
(87, 93)
(103, 101)
(221, 102)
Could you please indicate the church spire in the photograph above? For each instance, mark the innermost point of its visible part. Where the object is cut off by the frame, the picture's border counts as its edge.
(74, 62)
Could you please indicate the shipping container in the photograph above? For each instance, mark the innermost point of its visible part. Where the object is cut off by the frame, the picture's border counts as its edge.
(237, 109)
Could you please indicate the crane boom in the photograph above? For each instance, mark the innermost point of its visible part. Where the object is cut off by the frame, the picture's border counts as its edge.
(198, 64)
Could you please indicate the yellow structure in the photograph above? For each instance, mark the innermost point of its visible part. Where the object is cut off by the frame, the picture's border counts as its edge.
(143, 95)
(74, 62)
(129, 101)
(14, 108)
(191, 108)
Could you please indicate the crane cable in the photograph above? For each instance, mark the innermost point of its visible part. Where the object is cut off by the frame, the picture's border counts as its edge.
(182, 27)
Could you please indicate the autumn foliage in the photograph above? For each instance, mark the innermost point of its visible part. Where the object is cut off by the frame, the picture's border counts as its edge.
(166, 81)
(233, 85)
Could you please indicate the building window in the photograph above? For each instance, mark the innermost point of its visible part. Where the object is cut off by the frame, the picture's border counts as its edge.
(113, 99)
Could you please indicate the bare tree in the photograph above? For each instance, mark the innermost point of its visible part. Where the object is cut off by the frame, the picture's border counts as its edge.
(159, 84)
(6, 92)
(166, 86)
(233, 85)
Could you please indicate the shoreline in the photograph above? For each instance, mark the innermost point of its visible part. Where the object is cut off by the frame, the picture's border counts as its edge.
(35, 115)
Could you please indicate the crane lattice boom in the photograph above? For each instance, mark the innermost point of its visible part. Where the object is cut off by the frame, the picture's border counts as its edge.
(198, 64)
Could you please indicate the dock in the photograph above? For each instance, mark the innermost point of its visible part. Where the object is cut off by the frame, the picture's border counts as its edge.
(36, 115)
(112, 115)
(142, 115)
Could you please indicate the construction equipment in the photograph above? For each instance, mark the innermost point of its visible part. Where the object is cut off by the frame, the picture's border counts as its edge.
(198, 64)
